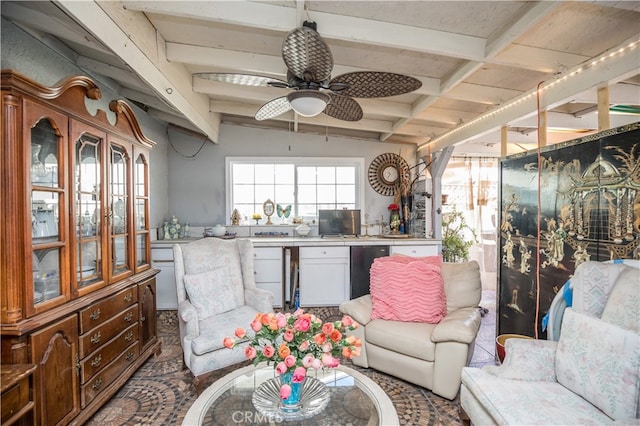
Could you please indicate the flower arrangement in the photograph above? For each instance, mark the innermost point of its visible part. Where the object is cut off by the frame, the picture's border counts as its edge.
(297, 341)
(393, 206)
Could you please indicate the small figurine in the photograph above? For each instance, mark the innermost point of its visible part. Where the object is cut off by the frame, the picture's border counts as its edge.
(235, 217)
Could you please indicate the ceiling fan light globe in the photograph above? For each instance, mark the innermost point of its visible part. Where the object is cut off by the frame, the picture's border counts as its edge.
(308, 103)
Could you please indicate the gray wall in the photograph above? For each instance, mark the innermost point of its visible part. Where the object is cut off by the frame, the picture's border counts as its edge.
(193, 189)
(197, 185)
(30, 57)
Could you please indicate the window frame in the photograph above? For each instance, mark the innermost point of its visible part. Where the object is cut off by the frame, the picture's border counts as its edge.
(357, 162)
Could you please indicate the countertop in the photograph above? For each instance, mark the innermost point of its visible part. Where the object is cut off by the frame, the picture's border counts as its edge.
(315, 241)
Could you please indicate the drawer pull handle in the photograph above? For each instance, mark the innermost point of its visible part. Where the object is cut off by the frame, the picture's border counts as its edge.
(128, 297)
(96, 361)
(96, 385)
(143, 319)
(128, 317)
(96, 338)
(129, 356)
(129, 336)
(95, 314)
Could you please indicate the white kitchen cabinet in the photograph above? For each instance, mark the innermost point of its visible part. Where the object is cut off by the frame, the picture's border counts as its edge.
(415, 251)
(324, 275)
(166, 296)
(267, 264)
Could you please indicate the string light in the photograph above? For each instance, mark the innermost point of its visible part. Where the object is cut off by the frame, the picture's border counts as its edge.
(514, 102)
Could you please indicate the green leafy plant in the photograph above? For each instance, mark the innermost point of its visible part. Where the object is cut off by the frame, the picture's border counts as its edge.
(454, 245)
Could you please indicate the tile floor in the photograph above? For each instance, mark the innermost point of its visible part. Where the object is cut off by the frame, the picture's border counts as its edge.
(484, 352)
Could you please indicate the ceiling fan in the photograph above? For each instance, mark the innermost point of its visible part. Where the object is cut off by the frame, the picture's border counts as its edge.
(309, 62)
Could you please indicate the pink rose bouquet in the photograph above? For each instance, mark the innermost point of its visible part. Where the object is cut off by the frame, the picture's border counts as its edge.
(296, 342)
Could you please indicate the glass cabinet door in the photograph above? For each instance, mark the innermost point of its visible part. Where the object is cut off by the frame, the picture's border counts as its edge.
(142, 239)
(119, 210)
(48, 245)
(88, 225)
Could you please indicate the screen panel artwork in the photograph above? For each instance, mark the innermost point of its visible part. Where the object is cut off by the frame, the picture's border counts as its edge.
(588, 191)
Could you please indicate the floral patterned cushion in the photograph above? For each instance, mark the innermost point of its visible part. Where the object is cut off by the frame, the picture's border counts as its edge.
(600, 362)
(592, 283)
(622, 307)
(210, 253)
(210, 292)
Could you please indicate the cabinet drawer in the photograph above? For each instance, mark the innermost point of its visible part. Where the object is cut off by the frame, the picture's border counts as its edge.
(15, 399)
(431, 250)
(102, 380)
(324, 252)
(162, 254)
(105, 354)
(100, 335)
(103, 310)
(267, 253)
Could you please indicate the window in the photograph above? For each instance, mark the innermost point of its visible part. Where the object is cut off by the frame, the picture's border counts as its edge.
(307, 184)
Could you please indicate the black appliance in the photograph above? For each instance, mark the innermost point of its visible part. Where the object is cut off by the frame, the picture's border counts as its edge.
(361, 260)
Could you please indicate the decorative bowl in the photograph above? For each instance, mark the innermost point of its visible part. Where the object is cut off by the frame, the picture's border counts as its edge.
(303, 230)
(501, 341)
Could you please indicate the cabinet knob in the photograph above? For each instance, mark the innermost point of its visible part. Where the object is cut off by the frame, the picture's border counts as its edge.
(96, 338)
(129, 356)
(128, 297)
(128, 317)
(96, 361)
(129, 336)
(94, 315)
(96, 385)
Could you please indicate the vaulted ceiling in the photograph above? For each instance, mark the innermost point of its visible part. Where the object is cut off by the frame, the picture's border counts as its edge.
(484, 65)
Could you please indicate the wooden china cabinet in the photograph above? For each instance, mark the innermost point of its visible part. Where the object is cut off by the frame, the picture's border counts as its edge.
(78, 290)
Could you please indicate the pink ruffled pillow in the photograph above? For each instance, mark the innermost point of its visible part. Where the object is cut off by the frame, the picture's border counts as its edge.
(405, 288)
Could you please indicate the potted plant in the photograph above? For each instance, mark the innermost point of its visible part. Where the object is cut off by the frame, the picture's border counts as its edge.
(455, 248)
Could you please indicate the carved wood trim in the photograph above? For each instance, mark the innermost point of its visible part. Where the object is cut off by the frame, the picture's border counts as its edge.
(120, 107)
(91, 89)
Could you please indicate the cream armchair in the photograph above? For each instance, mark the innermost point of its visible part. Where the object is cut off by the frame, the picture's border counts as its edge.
(429, 355)
(216, 294)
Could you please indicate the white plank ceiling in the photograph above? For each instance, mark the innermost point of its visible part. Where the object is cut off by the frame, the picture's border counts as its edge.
(483, 64)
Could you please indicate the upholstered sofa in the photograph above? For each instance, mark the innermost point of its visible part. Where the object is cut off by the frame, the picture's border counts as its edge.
(590, 376)
(429, 355)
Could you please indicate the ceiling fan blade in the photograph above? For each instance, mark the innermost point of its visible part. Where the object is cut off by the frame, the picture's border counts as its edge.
(307, 55)
(273, 108)
(373, 84)
(343, 108)
(242, 79)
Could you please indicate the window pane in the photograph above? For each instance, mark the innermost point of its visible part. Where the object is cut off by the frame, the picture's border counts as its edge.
(284, 173)
(265, 173)
(243, 194)
(326, 194)
(242, 173)
(306, 193)
(284, 194)
(345, 175)
(306, 175)
(316, 184)
(263, 192)
(326, 174)
(346, 194)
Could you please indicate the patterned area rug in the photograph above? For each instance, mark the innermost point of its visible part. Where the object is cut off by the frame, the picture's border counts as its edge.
(160, 392)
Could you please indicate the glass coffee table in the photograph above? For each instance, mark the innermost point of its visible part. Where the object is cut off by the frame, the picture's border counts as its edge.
(355, 400)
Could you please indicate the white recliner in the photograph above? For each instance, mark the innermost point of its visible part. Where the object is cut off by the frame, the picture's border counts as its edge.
(217, 293)
(429, 355)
